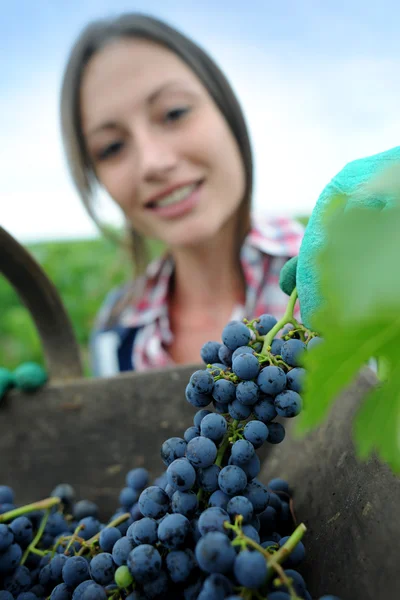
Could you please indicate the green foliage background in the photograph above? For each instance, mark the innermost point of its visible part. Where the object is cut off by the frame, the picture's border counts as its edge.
(83, 271)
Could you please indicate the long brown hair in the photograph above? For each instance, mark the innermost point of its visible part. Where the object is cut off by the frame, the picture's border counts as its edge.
(134, 25)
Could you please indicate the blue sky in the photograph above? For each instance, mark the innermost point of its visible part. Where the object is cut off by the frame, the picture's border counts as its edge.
(318, 80)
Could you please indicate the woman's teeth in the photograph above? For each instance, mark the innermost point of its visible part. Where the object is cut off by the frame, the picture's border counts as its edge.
(176, 195)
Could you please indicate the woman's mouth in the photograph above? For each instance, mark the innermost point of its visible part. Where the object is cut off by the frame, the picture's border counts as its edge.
(178, 202)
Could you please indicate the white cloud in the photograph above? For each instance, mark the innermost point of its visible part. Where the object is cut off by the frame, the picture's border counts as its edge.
(306, 121)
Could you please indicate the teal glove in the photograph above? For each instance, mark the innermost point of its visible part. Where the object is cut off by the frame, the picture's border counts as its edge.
(28, 377)
(348, 181)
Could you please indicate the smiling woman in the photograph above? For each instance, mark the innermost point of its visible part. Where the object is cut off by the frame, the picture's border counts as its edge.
(149, 117)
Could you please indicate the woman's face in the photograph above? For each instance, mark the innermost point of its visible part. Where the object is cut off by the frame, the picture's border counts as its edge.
(158, 143)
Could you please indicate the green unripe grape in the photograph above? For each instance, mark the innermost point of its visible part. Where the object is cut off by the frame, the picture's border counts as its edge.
(287, 276)
(29, 376)
(122, 577)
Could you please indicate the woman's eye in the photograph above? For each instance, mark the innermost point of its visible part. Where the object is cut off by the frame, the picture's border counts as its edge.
(176, 113)
(110, 150)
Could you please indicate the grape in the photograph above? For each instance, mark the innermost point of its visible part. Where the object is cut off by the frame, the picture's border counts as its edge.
(251, 468)
(180, 564)
(225, 356)
(91, 526)
(144, 563)
(288, 404)
(224, 391)
(6, 537)
(154, 502)
(202, 381)
(292, 351)
(93, 592)
(173, 531)
(278, 596)
(84, 508)
(121, 550)
(239, 411)
(214, 427)
(199, 416)
(6, 495)
(209, 352)
(22, 530)
(246, 366)
(143, 531)
(102, 568)
(214, 553)
(128, 497)
(265, 323)
(264, 410)
(294, 379)
(297, 582)
(276, 433)
(78, 592)
(66, 493)
(208, 478)
(232, 480)
(184, 503)
(256, 432)
(60, 592)
(250, 569)
(218, 499)
(276, 346)
(201, 452)
(122, 577)
(258, 495)
(242, 451)
(108, 537)
(75, 571)
(137, 479)
(297, 555)
(242, 350)
(268, 520)
(181, 475)
(247, 393)
(172, 449)
(239, 505)
(213, 519)
(215, 587)
(315, 341)
(195, 398)
(156, 588)
(10, 558)
(221, 409)
(251, 532)
(235, 334)
(271, 380)
(190, 433)
(19, 581)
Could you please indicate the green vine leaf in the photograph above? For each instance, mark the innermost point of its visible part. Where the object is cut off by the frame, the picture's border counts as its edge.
(359, 320)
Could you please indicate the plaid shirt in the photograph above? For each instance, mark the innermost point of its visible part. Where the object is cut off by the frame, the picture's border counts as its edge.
(141, 335)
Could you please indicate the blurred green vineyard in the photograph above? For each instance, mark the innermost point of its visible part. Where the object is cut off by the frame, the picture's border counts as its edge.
(83, 271)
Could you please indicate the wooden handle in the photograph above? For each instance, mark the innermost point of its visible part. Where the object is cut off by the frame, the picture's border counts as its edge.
(41, 298)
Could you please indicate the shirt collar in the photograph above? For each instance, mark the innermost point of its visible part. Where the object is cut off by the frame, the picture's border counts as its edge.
(277, 236)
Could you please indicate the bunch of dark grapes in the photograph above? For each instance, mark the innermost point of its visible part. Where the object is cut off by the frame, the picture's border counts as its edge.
(207, 528)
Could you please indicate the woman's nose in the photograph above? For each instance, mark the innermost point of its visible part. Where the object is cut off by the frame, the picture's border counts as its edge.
(157, 156)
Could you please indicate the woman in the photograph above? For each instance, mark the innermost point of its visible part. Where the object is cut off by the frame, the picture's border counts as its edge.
(149, 117)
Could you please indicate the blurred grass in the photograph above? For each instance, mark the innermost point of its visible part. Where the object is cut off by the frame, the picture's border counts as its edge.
(83, 271)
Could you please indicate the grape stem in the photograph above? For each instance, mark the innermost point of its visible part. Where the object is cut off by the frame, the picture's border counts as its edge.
(120, 519)
(23, 510)
(273, 560)
(225, 443)
(287, 318)
(36, 539)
